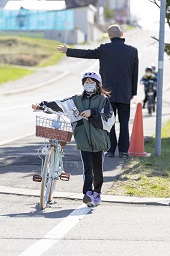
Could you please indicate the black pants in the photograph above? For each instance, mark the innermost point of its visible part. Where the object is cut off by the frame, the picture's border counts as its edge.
(123, 111)
(93, 171)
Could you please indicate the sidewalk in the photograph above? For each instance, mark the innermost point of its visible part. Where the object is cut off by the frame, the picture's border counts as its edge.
(19, 161)
(166, 93)
(41, 77)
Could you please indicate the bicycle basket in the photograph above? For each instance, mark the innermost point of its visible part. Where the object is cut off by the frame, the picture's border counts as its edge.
(53, 129)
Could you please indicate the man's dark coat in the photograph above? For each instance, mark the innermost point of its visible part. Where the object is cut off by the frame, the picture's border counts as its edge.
(118, 67)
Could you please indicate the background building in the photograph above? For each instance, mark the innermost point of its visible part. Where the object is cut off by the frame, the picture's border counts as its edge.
(121, 10)
(79, 3)
(52, 19)
(69, 21)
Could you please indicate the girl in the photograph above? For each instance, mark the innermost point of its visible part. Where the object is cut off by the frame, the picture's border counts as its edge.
(92, 117)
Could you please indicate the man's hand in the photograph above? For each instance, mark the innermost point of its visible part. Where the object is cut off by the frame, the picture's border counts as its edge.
(86, 113)
(62, 48)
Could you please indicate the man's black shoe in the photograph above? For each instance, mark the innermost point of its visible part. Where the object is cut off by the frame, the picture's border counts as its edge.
(123, 155)
(109, 154)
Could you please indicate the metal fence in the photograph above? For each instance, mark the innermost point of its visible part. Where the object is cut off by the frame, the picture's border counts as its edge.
(36, 20)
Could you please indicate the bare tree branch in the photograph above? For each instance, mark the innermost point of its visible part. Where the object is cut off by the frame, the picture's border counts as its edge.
(154, 2)
(166, 44)
(167, 9)
(155, 38)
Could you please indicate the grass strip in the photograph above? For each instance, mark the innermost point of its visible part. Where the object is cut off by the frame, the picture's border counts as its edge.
(25, 52)
(146, 176)
(9, 73)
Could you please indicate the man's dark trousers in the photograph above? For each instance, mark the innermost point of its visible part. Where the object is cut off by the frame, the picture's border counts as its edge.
(123, 111)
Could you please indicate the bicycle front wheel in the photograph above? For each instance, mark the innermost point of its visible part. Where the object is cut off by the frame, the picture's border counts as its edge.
(58, 170)
(47, 177)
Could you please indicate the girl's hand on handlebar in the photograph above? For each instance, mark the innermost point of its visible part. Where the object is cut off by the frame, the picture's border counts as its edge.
(86, 113)
(36, 107)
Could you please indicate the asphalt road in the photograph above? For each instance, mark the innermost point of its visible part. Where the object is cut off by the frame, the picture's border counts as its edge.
(109, 229)
(67, 227)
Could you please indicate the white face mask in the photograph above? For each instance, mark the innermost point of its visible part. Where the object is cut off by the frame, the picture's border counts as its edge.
(148, 74)
(89, 87)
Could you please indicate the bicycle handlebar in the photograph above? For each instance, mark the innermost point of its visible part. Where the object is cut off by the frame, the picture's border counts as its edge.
(48, 110)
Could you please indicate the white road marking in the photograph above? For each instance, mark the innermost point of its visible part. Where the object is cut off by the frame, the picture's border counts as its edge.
(54, 235)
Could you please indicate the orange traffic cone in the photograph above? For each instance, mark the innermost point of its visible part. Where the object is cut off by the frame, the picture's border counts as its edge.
(136, 147)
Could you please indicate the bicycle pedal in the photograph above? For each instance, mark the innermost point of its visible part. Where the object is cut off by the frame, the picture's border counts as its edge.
(65, 176)
(37, 178)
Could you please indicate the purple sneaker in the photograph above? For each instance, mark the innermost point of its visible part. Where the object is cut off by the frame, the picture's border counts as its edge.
(97, 198)
(89, 199)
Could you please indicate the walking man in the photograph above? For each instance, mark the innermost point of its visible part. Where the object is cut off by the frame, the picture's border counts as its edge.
(119, 71)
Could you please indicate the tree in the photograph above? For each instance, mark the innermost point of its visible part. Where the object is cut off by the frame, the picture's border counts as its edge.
(108, 12)
(157, 2)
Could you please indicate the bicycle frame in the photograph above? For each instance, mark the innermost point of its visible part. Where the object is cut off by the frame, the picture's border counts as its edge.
(58, 163)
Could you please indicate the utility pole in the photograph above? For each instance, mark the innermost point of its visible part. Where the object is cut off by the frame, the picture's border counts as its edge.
(128, 11)
(160, 78)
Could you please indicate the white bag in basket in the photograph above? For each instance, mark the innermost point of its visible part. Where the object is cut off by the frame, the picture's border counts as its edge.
(56, 124)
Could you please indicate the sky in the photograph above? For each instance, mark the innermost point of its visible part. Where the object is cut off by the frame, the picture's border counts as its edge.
(147, 14)
(31, 4)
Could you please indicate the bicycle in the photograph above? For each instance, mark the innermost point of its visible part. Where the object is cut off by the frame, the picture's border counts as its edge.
(59, 133)
(150, 95)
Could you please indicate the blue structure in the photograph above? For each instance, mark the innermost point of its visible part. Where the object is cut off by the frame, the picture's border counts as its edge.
(36, 20)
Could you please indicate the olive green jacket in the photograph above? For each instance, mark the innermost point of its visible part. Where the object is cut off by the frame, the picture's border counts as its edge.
(91, 135)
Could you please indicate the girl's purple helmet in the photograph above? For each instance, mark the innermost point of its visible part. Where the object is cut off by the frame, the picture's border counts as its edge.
(93, 75)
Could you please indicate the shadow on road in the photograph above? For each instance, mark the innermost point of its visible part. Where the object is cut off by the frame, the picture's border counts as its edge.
(57, 212)
(25, 157)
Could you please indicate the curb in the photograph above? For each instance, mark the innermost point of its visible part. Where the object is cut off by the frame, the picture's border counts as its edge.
(79, 196)
(35, 86)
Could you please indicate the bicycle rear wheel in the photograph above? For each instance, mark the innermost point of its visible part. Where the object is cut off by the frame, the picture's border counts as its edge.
(47, 178)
